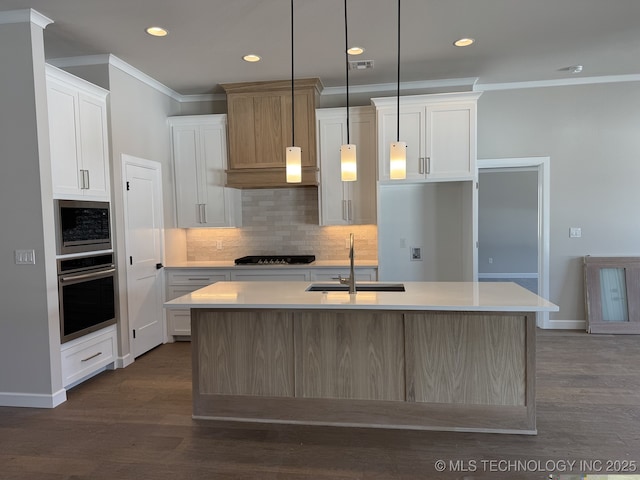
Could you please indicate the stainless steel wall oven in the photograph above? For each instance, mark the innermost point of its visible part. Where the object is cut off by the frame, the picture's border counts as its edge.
(86, 288)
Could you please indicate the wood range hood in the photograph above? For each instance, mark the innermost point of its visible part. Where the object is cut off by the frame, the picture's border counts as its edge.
(259, 130)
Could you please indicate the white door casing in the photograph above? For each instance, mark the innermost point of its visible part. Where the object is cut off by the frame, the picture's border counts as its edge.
(542, 165)
(144, 252)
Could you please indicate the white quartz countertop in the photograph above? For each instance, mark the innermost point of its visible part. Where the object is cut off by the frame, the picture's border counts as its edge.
(316, 264)
(450, 296)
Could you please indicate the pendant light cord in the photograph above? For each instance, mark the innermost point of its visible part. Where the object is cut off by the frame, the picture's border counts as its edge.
(346, 63)
(398, 93)
(293, 122)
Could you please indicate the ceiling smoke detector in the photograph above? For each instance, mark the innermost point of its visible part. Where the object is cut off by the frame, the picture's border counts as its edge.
(360, 64)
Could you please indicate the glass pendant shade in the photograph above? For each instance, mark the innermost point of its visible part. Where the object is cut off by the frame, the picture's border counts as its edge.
(294, 164)
(348, 166)
(398, 161)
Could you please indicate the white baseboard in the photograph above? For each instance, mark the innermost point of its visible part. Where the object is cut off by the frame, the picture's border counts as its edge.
(566, 325)
(33, 400)
(123, 362)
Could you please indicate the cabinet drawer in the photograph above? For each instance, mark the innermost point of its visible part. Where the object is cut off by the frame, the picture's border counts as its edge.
(195, 277)
(87, 356)
(365, 274)
(273, 275)
(179, 322)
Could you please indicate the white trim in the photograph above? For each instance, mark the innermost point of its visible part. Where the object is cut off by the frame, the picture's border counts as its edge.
(33, 400)
(561, 82)
(566, 325)
(543, 165)
(421, 85)
(134, 72)
(124, 362)
(508, 275)
(23, 16)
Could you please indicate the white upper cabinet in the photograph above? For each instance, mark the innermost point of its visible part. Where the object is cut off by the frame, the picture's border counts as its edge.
(440, 132)
(78, 137)
(199, 147)
(346, 203)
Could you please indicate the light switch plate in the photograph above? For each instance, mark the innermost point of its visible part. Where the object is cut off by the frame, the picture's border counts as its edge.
(25, 257)
(416, 253)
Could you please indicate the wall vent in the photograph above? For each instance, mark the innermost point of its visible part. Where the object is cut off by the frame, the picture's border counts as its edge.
(360, 64)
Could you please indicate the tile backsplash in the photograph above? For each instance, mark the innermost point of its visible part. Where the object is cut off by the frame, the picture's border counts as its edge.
(281, 221)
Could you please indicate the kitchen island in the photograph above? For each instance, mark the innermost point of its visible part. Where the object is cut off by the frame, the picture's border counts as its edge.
(440, 356)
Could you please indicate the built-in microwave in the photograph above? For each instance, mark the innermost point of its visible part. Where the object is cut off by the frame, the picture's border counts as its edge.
(82, 226)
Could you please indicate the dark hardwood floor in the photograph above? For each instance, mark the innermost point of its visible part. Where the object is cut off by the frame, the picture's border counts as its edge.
(135, 423)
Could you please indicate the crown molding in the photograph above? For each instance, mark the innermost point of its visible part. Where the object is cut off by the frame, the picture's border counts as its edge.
(134, 72)
(28, 15)
(485, 87)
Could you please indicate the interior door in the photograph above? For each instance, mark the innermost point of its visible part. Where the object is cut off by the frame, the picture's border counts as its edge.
(143, 234)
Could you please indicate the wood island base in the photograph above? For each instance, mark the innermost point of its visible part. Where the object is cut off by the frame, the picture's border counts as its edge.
(425, 370)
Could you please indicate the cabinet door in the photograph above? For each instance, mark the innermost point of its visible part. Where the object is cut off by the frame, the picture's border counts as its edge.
(214, 160)
(93, 145)
(332, 195)
(343, 203)
(186, 145)
(412, 131)
(65, 169)
(451, 141)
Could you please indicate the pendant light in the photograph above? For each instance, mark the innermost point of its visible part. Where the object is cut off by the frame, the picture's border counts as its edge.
(398, 150)
(293, 155)
(348, 162)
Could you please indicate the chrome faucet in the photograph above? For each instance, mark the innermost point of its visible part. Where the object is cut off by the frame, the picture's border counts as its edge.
(351, 281)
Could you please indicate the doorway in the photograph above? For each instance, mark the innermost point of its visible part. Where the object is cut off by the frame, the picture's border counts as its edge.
(519, 249)
(144, 252)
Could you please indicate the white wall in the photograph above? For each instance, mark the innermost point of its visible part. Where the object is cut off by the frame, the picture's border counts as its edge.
(590, 132)
(30, 372)
(139, 128)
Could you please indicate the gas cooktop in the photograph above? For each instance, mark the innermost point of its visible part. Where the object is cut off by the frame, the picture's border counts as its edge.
(275, 260)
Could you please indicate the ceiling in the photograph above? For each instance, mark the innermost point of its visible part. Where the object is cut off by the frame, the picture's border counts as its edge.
(516, 40)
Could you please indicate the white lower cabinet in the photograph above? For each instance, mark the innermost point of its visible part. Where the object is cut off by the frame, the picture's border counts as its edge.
(181, 282)
(266, 274)
(362, 274)
(86, 356)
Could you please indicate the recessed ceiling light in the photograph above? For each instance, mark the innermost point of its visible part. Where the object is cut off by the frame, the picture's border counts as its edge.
(251, 58)
(575, 69)
(157, 31)
(463, 42)
(355, 51)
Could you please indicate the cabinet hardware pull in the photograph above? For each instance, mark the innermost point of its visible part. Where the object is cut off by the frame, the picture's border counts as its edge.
(204, 213)
(198, 278)
(421, 165)
(345, 214)
(92, 356)
(87, 184)
(349, 211)
(428, 165)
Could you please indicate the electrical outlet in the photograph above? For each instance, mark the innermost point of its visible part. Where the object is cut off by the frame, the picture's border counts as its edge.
(219, 244)
(575, 232)
(25, 257)
(416, 253)
(490, 259)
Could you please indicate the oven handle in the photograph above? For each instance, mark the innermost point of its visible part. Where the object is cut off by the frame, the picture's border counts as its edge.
(84, 276)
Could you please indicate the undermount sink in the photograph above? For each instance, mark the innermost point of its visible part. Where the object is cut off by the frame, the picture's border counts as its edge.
(360, 287)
